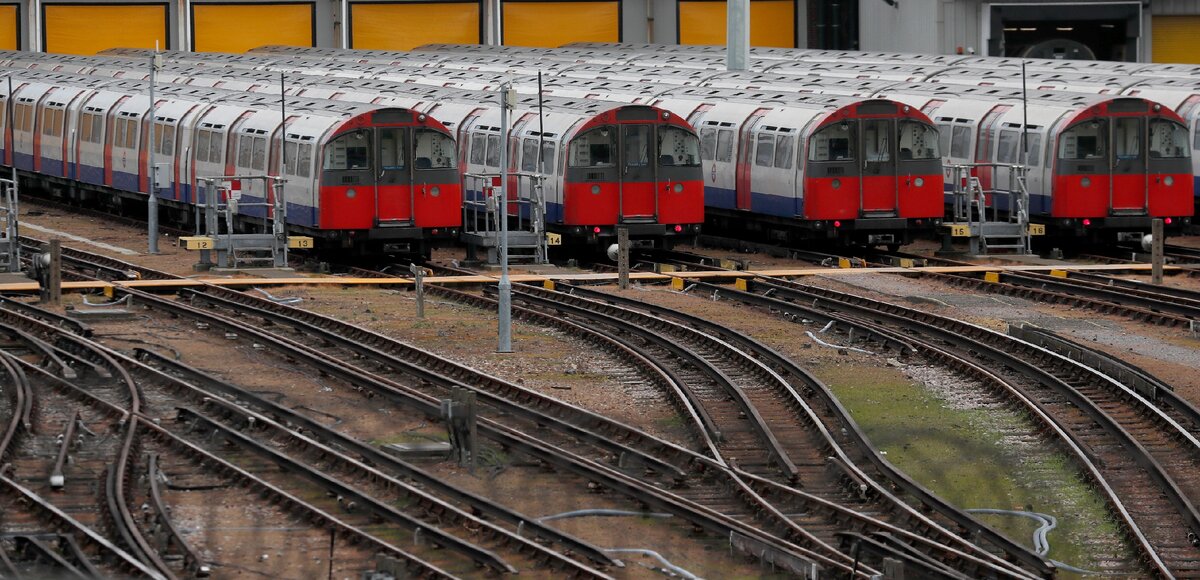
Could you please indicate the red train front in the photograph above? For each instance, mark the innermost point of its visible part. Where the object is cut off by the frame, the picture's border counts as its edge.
(390, 179)
(1118, 164)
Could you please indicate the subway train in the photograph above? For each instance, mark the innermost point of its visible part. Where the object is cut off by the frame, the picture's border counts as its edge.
(89, 139)
(1142, 178)
(606, 162)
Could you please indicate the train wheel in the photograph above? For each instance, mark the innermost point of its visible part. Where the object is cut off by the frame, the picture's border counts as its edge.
(893, 248)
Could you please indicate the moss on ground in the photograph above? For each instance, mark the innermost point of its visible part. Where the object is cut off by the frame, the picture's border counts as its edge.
(973, 458)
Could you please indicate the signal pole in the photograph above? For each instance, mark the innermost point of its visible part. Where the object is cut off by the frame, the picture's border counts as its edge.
(152, 203)
(505, 285)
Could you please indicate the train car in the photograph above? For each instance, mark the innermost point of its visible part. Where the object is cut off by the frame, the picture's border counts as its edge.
(358, 175)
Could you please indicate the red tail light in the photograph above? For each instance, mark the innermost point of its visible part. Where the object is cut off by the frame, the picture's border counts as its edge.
(1167, 221)
(596, 230)
(680, 228)
(837, 224)
(1086, 222)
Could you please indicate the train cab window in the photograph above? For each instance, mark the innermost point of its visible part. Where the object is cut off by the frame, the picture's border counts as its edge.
(876, 140)
(1127, 138)
(725, 145)
(433, 150)
(391, 148)
(348, 152)
(678, 147)
(784, 148)
(593, 148)
(708, 144)
(1083, 141)
(493, 151)
(1168, 139)
(960, 142)
(764, 150)
(918, 141)
(478, 148)
(833, 143)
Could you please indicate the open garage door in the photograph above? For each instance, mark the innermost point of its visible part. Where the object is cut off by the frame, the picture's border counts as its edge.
(10, 27)
(772, 22)
(1175, 39)
(91, 28)
(406, 25)
(557, 23)
(240, 27)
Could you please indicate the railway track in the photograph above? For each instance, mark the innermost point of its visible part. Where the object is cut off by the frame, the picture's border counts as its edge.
(1140, 454)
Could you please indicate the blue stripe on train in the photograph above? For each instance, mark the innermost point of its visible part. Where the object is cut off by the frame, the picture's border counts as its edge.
(298, 214)
(765, 203)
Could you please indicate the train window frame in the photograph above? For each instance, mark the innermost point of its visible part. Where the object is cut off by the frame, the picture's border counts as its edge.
(1033, 143)
(305, 161)
(441, 149)
(915, 152)
(764, 150)
(397, 157)
(200, 150)
(167, 141)
(878, 150)
(635, 145)
(291, 155)
(582, 145)
(725, 146)
(331, 160)
(1069, 142)
(245, 150)
(478, 149)
(85, 127)
(492, 157)
(785, 149)
(1153, 148)
(960, 141)
(216, 148)
(820, 145)
(529, 148)
(549, 155)
(1008, 146)
(258, 157)
(683, 149)
(708, 143)
(1123, 148)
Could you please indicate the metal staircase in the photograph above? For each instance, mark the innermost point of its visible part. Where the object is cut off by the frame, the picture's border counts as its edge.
(10, 245)
(992, 220)
(525, 212)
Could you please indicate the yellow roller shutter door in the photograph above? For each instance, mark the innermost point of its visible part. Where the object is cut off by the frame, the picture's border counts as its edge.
(772, 23)
(10, 27)
(387, 26)
(1176, 39)
(557, 23)
(91, 28)
(240, 27)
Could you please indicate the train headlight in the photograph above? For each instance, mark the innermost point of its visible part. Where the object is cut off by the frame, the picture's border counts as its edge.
(595, 189)
(1169, 180)
(350, 193)
(679, 187)
(1085, 182)
(837, 184)
(435, 191)
(919, 182)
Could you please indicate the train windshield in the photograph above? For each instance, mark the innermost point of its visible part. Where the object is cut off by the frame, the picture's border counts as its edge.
(433, 150)
(833, 143)
(1127, 137)
(1168, 139)
(349, 151)
(677, 147)
(1086, 140)
(918, 141)
(594, 148)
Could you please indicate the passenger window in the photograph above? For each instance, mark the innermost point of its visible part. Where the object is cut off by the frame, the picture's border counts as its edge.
(833, 143)
(391, 148)
(1010, 146)
(725, 145)
(960, 143)
(216, 148)
(1168, 139)
(305, 160)
(202, 138)
(764, 152)
(593, 148)
(919, 141)
(433, 150)
(708, 144)
(289, 151)
(944, 132)
(548, 152)
(348, 152)
(477, 149)
(1083, 141)
(168, 140)
(97, 129)
(783, 151)
(529, 151)
(85, 128)
(1128, 138)
(677, 147)
(1034, 142)
(493, 151)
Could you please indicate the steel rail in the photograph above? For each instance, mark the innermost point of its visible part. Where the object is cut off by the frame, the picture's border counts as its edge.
(746, 538)
(192, 563)
(26, 543)
(20, 405)
(273, 414)
(845, 424)
(1152, 469)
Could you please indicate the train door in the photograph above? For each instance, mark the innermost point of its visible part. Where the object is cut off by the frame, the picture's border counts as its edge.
(985, 148)
(393, 178)
(877, 188)
(1129, 187)
(639, 173)
(745, 159)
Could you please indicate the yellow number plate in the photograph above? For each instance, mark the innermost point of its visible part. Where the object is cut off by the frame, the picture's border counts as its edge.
(553, 239)
(300, 242)
(196, 242)
(960, 231)
(1037, 229)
